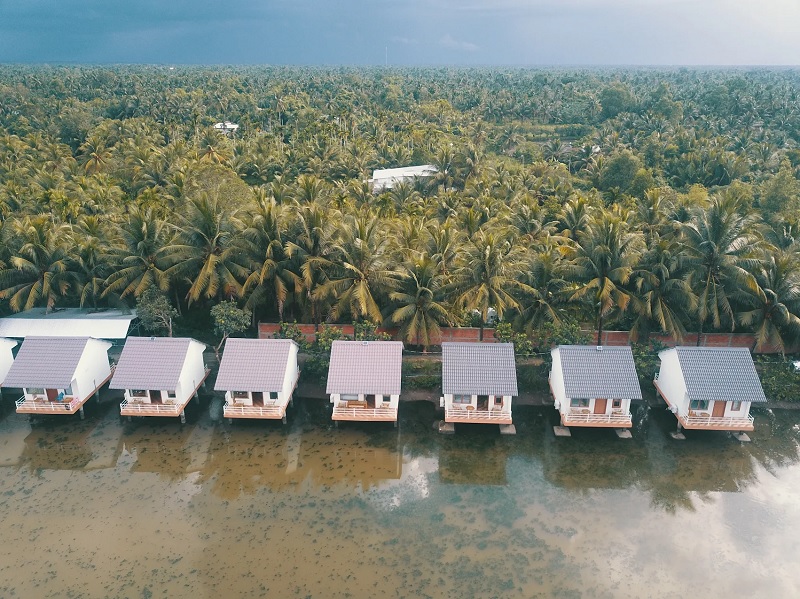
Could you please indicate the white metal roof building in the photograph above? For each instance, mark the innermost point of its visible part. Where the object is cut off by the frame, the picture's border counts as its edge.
(387, 178)
(68, 322)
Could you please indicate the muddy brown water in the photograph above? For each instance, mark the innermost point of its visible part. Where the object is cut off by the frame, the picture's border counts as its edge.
(149, 508)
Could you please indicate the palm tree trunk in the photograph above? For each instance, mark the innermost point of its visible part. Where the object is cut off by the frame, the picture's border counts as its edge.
(699, 333)
(599, 327)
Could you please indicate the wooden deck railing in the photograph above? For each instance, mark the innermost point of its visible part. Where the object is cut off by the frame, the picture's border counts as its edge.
(232, 410)
(473, 416)
(382, 414)
(708, 421)
(40, 403)
(131, 408)
(589, 418)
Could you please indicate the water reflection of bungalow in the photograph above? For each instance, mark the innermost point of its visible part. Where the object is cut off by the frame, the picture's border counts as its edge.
(710, 388)
(246, 461)
(478, 382)
(458, 465)
(58, 375)
(593, 386)
(364, 380)
(258, 376)
(6, 356)
(160, 375)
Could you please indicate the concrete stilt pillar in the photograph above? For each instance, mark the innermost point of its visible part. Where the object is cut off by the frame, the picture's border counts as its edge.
(183, 417)
(283, 419)
(80, 411)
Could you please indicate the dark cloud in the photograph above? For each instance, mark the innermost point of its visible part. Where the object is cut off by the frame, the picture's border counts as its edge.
(408, 31)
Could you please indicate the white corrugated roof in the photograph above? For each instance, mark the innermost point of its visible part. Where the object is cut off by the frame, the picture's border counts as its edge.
(386, 178)
(68, 322)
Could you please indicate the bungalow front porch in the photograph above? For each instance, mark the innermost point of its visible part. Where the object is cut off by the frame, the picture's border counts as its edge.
(43, 403)
(260, 407)
(694, 420)
(133, 406)
(469, 414)
(363, 410)
(585, 417)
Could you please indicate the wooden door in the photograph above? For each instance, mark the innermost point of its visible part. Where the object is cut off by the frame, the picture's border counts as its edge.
(600, 406)
(155, 396)
(718, 411)
(52, 394)
(258, 398)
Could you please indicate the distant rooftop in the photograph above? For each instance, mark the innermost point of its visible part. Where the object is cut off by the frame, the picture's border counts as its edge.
(226, 126)
(387, 178)
(68, 322)
(478, 369)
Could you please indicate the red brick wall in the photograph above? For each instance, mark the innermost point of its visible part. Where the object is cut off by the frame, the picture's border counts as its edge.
(267, 330)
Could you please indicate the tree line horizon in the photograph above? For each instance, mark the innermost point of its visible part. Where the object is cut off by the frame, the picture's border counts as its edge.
(654, 200)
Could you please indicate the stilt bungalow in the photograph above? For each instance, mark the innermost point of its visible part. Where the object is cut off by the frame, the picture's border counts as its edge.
(258, 377)
(364, 380)
(593, 385)
(6, 357)
(478, 382)
(58, 375)
(159, 375)
(709, 388)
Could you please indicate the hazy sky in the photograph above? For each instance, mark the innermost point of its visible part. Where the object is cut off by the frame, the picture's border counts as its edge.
(413, 32)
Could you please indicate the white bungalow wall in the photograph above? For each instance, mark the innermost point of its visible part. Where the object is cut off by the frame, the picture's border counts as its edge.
(192, 373)
(6, 357)
(381, 401)
(494, 400)
(93, 368)
(561, 401)
(670, 381)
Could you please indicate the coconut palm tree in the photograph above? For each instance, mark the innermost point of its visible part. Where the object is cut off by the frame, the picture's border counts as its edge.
(205, 253)
(662, 299)
(262, 242)
(417, 309)
(41, 270)
(718, 251)
(140, 261)
(492, 269)
(602, 261)
(775, 302)
(361, 270)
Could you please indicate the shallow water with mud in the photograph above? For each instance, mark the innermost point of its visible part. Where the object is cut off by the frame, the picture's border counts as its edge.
(110, 508)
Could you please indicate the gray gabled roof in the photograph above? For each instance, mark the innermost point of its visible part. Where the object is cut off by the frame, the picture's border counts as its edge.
(591, 372)
(254, 364)
(369, 367)
(151, 363)
(48, 362)
(479, 369)
(724, 373)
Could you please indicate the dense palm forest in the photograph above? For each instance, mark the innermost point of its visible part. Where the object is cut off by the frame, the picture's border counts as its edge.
(647, 200)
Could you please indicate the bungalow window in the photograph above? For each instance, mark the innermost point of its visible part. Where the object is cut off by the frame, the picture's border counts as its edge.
(35, 391)
(616, 404)
(698, 404)
(579, 402)
(171, 394)
(139, 393)
(241, 395)
(462, 399)
(273, 395)
(349, 397)
(68, 390)
(736, 406)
